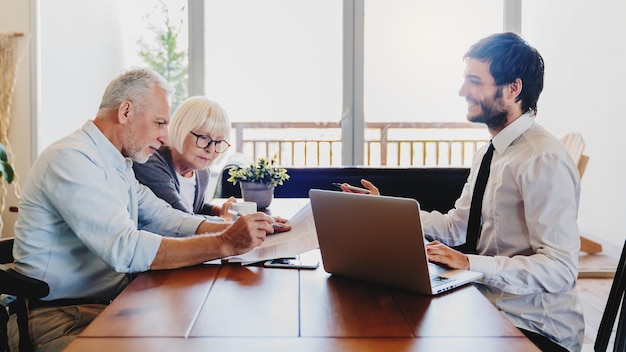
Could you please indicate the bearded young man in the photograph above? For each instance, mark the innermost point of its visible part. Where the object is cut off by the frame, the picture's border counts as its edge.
(527, 240)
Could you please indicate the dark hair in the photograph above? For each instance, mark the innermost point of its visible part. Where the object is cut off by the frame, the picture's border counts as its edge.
(511, 57)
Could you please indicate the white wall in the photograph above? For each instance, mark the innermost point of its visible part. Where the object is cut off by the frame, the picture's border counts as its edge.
(104, 29)
(582, 43)
(95, 26)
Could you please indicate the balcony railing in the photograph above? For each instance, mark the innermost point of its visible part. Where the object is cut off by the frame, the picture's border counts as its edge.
(400, 144)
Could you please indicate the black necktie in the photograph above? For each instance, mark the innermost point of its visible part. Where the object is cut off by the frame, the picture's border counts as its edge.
(474, 222)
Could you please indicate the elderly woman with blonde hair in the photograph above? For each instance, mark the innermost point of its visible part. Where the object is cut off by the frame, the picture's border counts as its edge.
(179, 173)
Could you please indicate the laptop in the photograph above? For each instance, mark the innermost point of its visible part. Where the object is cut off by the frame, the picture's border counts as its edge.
(379, 239)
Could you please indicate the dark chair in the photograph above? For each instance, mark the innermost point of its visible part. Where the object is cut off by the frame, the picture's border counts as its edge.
(23, 288)
(225, 189)
(617, 299)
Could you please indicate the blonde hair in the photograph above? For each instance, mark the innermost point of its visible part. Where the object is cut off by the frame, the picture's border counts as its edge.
(198, 112)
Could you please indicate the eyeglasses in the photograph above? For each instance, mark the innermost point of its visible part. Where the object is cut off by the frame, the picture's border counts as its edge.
(205, 141)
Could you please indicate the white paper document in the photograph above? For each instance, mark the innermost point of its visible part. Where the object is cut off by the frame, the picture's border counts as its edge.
(301, 238)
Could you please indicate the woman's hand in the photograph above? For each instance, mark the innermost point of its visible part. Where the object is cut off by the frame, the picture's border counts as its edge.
(228, 204)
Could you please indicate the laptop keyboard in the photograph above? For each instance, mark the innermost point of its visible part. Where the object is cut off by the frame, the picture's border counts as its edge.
(437, 280)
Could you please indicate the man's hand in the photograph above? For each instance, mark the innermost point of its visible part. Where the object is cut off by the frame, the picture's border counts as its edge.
(367, 184)
(280, 224)
(217, 240)
(250, 230)
(247, 232)
(440, 253)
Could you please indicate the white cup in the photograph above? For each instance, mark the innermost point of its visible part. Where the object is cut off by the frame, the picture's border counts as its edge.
(243, 208)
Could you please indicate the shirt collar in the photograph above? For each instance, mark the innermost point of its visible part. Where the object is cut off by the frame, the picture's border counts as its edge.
(104, 145)
(511, 132)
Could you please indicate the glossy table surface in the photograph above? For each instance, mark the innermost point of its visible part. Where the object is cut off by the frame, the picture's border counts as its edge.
(251, 308)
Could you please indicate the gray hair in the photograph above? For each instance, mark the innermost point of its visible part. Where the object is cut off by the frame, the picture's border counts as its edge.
(197, 112)
(135, 85)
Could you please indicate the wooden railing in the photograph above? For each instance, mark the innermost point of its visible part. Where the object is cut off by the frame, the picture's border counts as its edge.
(404, 144)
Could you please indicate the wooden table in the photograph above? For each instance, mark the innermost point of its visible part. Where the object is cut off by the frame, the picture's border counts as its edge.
(235, 308)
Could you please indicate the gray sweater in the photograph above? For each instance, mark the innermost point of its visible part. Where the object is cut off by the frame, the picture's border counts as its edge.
(159, 175)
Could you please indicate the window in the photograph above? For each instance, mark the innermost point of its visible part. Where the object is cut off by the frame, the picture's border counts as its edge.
(83, 44)
(273, 64)
(319, 82)
(413, 70)
(278, 67)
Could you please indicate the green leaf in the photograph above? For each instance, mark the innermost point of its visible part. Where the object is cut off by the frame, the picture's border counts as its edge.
(165, 57)
(6, 170)
(263, 172)
(3, 153)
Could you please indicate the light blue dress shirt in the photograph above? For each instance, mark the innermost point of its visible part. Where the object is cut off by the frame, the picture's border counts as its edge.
(529, 243)
(85, 222)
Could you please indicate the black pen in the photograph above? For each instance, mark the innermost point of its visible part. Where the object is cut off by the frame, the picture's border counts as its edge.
(352, 188)
(275, 225)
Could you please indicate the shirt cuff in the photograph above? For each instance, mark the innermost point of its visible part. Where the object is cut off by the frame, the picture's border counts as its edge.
(146, 249)
(212, 218)
(189, 226)
(483, 264)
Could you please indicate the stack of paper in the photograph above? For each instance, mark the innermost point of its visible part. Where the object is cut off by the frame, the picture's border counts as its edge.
(301, 238)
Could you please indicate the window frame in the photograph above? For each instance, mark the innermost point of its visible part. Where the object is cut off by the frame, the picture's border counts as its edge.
(353, 116)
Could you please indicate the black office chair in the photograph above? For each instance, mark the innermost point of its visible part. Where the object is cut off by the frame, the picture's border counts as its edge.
(23, 288)
(226, 189)
(616, 299)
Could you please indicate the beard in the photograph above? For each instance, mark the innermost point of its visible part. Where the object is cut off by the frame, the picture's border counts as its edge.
(140, 157)
(494, 115)
(136, 152)
(133, 147)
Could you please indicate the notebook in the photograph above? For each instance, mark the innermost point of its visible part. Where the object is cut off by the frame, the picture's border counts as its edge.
(379, 239)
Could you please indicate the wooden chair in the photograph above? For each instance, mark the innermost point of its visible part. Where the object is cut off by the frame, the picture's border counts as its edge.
(575, 145)
(22, 288)
(615, 304)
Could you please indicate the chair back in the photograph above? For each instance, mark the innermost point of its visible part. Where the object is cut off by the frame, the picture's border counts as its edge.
(6, 250)
(223, 188)
(575, 145)
(615, 302)
(22, 288)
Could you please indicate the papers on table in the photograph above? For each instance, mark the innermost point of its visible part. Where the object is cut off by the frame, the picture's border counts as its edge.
(301, 238)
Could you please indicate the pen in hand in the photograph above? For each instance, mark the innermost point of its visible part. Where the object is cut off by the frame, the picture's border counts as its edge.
(352, 188)
(275, 225)
(234, 213)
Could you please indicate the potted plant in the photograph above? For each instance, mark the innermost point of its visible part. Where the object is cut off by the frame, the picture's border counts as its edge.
(258, 181)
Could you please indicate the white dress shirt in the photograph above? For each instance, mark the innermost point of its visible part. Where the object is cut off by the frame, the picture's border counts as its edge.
(529, 243)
